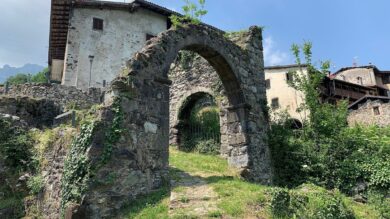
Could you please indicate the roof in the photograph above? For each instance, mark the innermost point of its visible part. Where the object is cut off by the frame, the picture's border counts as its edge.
(284, 66)
(376, 70)
(124, 6)
(355, 105)
(60, 15)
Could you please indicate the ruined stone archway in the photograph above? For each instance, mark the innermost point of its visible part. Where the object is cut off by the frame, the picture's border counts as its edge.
(239, 69)
(196, 119)
(141, 155)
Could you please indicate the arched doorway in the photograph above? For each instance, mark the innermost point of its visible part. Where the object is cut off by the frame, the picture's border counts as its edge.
(198, 124)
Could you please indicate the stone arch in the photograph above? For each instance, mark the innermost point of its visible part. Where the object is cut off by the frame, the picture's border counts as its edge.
(240, 69)
(184, 98)
(141, 155)
(181, 124)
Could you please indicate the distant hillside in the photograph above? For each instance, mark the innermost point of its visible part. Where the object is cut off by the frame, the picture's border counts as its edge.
(7, 70)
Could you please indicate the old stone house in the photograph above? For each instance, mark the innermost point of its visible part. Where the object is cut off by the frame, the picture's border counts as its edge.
(90, 41)
(334, 88)
(370, 110)
(368, 76)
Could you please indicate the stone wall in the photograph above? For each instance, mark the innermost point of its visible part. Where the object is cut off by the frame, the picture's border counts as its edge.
(190, 77)
(365, 114)
(35, 112)
(62, 96)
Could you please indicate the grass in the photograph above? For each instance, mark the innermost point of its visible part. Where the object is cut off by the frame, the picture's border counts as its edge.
(236, 197)
(154, 205)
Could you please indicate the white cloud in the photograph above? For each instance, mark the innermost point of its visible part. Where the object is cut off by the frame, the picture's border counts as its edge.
(273, 56)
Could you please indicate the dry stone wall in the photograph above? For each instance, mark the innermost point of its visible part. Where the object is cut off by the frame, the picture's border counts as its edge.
(63, 96)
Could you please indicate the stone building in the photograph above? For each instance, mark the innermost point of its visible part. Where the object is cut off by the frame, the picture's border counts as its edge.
(370, 110)
(369, 76)
(90, 41)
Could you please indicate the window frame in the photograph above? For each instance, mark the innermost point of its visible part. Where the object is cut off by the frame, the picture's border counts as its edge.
(275, 103)
(376, 110)
(268, 84)
(97, 24)
(289, 76)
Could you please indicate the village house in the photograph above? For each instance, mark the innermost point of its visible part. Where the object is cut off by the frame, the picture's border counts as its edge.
(368, 76)
(342, 85)
(90, 41)
(370, 110)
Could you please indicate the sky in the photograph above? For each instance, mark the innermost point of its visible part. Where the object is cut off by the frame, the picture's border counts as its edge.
(342, 31)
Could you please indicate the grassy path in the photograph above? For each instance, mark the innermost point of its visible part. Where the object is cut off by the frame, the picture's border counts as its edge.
(203, 186)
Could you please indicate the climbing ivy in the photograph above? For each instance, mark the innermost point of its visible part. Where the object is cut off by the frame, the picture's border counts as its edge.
(77, 167)
(114, 132)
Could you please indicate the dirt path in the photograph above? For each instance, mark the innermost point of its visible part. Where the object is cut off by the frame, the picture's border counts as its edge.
(191, 197)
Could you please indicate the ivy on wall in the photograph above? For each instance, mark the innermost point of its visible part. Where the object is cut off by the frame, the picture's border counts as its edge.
(77, 168)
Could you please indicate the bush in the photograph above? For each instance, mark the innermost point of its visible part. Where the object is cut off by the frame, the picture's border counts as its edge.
(280, 202)
(314, 204)
(207, 147)
(15, 145)
(332, 207)
(35, 184)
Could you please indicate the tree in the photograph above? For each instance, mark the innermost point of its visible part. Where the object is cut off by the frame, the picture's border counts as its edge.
(324, 119)
(22, 78)
(40, 77)
(192, 13)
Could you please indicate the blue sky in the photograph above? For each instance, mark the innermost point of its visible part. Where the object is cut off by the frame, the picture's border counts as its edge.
(340, 30)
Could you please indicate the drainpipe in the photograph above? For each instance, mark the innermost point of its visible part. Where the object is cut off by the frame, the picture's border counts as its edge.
(90, 69)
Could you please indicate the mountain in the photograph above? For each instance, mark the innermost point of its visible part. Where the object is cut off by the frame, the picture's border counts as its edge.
(7, 70)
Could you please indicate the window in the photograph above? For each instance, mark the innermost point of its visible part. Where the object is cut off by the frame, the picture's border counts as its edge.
(289, 76)
(268, 83)
(359, 80)
(386, 79)
(376, 110)
(149, 36)
(275, 103)
(97, 24)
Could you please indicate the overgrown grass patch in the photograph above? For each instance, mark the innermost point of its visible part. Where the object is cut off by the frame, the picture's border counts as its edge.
(195, 163)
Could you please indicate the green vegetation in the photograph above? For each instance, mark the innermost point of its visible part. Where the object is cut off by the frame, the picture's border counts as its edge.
(203, 134)
(15, 145)
(327, 152)
(27, 78)
(241, 199)
(192, 13)
(155, 205)
(77, 167)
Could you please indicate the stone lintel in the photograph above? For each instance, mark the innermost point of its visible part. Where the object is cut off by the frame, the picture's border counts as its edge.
(162, 80)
